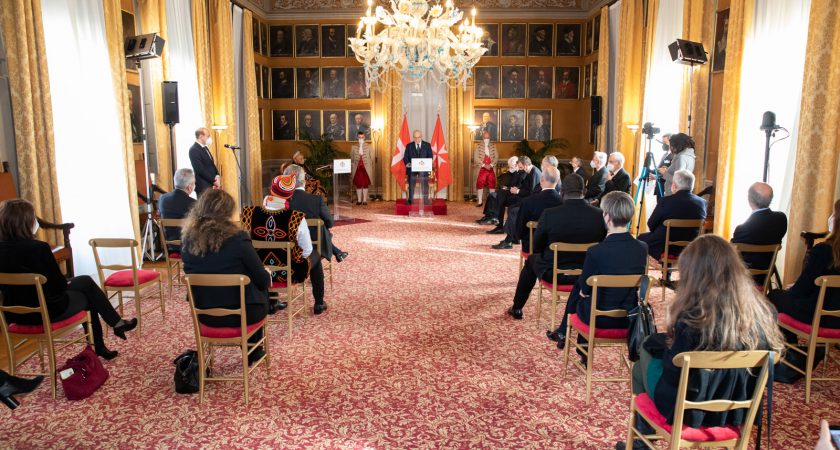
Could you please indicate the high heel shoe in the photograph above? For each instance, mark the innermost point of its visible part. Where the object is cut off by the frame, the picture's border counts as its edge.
(106, 354)
(124, 325)
(12, 386)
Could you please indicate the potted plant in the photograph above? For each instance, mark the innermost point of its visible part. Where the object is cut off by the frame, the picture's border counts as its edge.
(321, 151)
(523, 148)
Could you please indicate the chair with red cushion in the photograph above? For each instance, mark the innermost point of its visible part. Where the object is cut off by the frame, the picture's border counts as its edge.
(126, 278)
(601, 337)
(294, 294)
(737, 437)
(559, 292)
(669, 258)
(532, 225)
(209, 338)
(814, 335)
(772, 250)
(49, 333)
(173, 259)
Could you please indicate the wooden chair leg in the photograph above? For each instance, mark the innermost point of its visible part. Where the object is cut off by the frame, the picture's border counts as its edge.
(202, 370)
(539, 304)
(590, 353)
(162, 301)
(120, 302)
(631, 423)
(265, 347)
(809, 371)
(139, 311)
(53, 375)
(245, 366)
(566, 349)
(553, 309)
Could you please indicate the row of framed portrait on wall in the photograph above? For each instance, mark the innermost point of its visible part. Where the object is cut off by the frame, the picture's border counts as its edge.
(340, 125)
(311, 82)
(513, 125)
(303, 41)
(534, 82)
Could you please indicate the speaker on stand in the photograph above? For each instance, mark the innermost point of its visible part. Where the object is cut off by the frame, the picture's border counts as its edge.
(594, 116)
(171, 116)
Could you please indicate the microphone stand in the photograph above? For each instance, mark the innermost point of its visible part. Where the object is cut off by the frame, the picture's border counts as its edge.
(248, 201)
(768, 133)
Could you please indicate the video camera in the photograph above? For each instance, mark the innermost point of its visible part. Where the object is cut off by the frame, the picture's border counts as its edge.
(649, 130)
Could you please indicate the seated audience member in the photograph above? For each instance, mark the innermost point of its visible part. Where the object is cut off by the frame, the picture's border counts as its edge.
(20, 252)
(550, 161)
(618, 180)
(574, 222)
(177, 203)
(506, 181)
(598, 181)
(212, 244)
(530, 182)
(619, 254)
(276, 221)
(800, 301)
(530, 209)
(764, 227)
(682, 204)
(732, 316)
(577, 169)
(314, 207)
(682, 149)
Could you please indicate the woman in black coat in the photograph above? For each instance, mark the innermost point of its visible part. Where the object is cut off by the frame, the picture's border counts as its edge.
(20, 252)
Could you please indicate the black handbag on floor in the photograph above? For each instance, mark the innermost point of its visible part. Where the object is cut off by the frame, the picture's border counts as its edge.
(186, 372)
(641, 324)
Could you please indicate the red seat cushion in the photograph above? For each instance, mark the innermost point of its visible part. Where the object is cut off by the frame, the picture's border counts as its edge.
(648, 409)
(830, 333)
(525, 254)
(670, 257)
(39, 329)
(174, 255)
(560, 288)
(281, 284)
(226, 332)
(124, 278)
(605, 333)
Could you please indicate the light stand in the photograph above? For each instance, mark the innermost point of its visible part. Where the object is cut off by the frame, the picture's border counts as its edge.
(649, 131)
(690, 89)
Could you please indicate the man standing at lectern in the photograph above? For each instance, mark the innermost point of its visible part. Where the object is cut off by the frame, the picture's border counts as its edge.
(418, 148)
(204, 167)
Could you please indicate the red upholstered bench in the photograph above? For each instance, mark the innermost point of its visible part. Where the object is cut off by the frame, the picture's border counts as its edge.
(124, 278)
(39, 329)
(604, 333)
(648, 409)
(226, 332)
(823, 332)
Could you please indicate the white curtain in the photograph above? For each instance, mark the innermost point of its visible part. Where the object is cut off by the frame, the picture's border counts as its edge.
(90, 163)
(422, 101)
(239, 101)
(182, 69)
(614, 16)
(773, 64)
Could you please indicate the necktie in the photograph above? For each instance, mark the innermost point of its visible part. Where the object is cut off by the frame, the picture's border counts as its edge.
(207, 149)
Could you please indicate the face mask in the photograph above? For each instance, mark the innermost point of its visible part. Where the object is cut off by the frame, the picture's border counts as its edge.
(611, 167)
(666, 147)
(35, 228)
(592, 164)
(830, 224)
(208, 142)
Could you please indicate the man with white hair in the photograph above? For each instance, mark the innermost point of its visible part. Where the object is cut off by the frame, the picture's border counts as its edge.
(506, 181)
(617, 178)
(418, 148)
(176, 204)
(551, 161)
(598, 181)
(764, 227)
(682, 204)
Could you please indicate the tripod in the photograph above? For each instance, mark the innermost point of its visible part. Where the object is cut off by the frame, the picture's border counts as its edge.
(643, 178)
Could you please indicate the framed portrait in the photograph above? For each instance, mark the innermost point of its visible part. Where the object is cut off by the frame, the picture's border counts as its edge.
(540, 81)
(308, 81)
(281, 38)
(255, 34)
(282, 82)
(266, 82)
(332, 85)
(283, 125)
(540, 39)
(539, 124)
(260, 121)
(135, 113)
(721, 29)
(513, 125)
(513, 81)
(589, 27)
(487, 82)
(513, 39)
(258, 72)
(567, 83)
(586, 76)
(596, 33)
(568, 39)
(335, 124)
(264, 39)
(594, 89)
(356, 87)
(306, 41)
(487, 120)
(309, 123)
(358, 121)
(490, 38)
(333, 41)
(351, 33)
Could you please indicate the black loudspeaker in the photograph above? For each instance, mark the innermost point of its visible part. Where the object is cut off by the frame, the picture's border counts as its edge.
(170, 102)
(595, 110)
(145, 46)
(687, 52)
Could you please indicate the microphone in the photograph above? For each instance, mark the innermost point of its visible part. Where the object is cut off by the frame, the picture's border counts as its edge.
(768, 121)
(232, 147)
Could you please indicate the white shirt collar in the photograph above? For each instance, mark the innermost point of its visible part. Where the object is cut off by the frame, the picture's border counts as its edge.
(300, 188)
(760, 209)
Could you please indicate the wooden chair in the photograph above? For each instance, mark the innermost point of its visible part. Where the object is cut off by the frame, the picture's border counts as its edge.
(209, 338)
(559, 292)
(318, 242)
(174, 265)
(294, 294)
(601, 337)
(811, 237)
(49, 333)
(814, 335)
(766, 272)
(703, 437)
(668, 259)
(532, 225)
(126, 278)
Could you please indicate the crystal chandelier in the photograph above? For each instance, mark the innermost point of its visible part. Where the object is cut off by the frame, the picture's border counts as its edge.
(417, 38)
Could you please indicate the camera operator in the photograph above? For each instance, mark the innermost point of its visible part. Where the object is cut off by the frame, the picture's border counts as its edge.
(664, 164)
(682, 148)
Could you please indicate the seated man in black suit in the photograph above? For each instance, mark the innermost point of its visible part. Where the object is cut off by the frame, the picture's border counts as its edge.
(176, 204)
(506, 181)
(204, 167)
(617, 178)
(531, 208)
(598, 181)
(618, 254)
(530, 182)
(764, 227)
(574, 222)
(682, 204)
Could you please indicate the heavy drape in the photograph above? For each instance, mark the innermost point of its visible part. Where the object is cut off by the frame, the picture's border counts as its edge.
(253, 151)
(603, 81)
(224, 111)
(29, 81)
(457, 138)
(698, 26)
(387, 105)
(815, 187)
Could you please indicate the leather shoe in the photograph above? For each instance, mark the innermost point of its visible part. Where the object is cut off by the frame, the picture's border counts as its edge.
(106, 354)
(555, 335)
(637, 445)
(11, 386)
(275, 306)
(504, 245)
(515, 313)
(319, 308)
(124, 325)
(497, 230)
(479, 205)
(258, 353)
(341, 256)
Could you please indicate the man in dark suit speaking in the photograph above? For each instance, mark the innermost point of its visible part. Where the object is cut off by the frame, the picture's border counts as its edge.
(418, 148)
(204, 167)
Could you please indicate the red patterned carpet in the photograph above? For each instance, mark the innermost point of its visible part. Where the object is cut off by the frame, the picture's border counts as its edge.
(415, 351)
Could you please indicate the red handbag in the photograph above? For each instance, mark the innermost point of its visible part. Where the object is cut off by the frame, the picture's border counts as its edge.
(82, 375)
